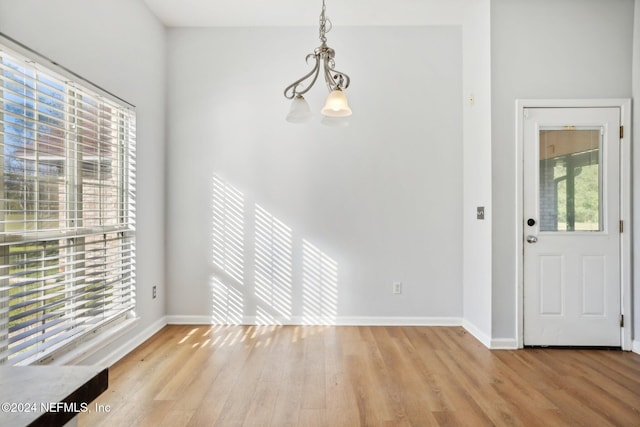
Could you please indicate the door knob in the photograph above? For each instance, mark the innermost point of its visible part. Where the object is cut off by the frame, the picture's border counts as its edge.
(532, 239)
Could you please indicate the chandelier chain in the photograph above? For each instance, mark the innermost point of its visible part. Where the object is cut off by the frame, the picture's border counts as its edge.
(325, 23)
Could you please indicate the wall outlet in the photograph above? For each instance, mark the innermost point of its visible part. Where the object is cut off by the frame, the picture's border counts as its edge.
(397, 288)
(155, 291)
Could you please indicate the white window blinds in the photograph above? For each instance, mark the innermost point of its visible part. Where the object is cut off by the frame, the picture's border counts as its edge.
(67, 211)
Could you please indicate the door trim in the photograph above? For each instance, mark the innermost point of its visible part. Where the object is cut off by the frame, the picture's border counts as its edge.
(625, 205)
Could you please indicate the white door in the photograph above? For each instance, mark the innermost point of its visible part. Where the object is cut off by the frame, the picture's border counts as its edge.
(572, 227)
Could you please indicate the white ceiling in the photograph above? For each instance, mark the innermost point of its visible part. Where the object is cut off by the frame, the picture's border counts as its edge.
(250, 13)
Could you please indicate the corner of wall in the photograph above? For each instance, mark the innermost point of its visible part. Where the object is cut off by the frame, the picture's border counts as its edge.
(636, 165)
(477, 170)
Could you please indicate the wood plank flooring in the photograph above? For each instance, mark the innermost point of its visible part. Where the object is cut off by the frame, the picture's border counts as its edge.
(362, 376)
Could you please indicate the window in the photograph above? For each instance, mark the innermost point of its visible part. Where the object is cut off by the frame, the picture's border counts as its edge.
(67, 209)
(570, 179)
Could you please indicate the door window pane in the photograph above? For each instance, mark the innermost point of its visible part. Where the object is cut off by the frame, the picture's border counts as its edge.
(570, 179)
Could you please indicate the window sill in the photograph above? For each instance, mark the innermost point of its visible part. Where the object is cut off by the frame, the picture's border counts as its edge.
(92, 342)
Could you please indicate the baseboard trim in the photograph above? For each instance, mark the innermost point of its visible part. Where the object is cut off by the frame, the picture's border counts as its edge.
(120, 352)
(477, 333)
(504, 344)
(635, 347)
(398, 321)
(487, 341)
(189, 320)
(339, 321)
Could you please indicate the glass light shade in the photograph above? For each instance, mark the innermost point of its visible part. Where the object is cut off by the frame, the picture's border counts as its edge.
(336, 105)
(299, 112)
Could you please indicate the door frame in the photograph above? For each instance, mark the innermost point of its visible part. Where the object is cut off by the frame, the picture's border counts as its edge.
(625, 205)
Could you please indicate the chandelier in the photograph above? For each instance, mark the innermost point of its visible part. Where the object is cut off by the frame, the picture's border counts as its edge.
(337, 104)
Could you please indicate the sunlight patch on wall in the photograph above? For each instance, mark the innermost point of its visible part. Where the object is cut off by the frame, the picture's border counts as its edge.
(256, 262)
(227, 303)
(228, 229)
(228, 253)
(319, 286)
(273, 268)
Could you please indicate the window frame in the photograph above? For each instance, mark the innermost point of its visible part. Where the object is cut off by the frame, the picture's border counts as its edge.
(118, 237)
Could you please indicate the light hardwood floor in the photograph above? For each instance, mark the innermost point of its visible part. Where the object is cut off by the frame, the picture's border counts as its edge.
(362, 376)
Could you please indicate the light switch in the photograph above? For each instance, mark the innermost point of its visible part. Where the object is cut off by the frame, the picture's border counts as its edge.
(480, 212)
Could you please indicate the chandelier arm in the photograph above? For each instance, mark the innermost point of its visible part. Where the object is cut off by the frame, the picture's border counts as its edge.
(291, 91)
(335, 79)
(343, 79)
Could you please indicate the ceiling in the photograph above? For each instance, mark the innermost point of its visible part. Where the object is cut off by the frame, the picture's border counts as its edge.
(250, 13)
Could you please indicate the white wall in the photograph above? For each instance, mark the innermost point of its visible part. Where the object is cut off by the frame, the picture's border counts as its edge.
(636, 175)
(379, 201)
(545, 49)
(390, 198)
(118, 45)
(477, 168)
